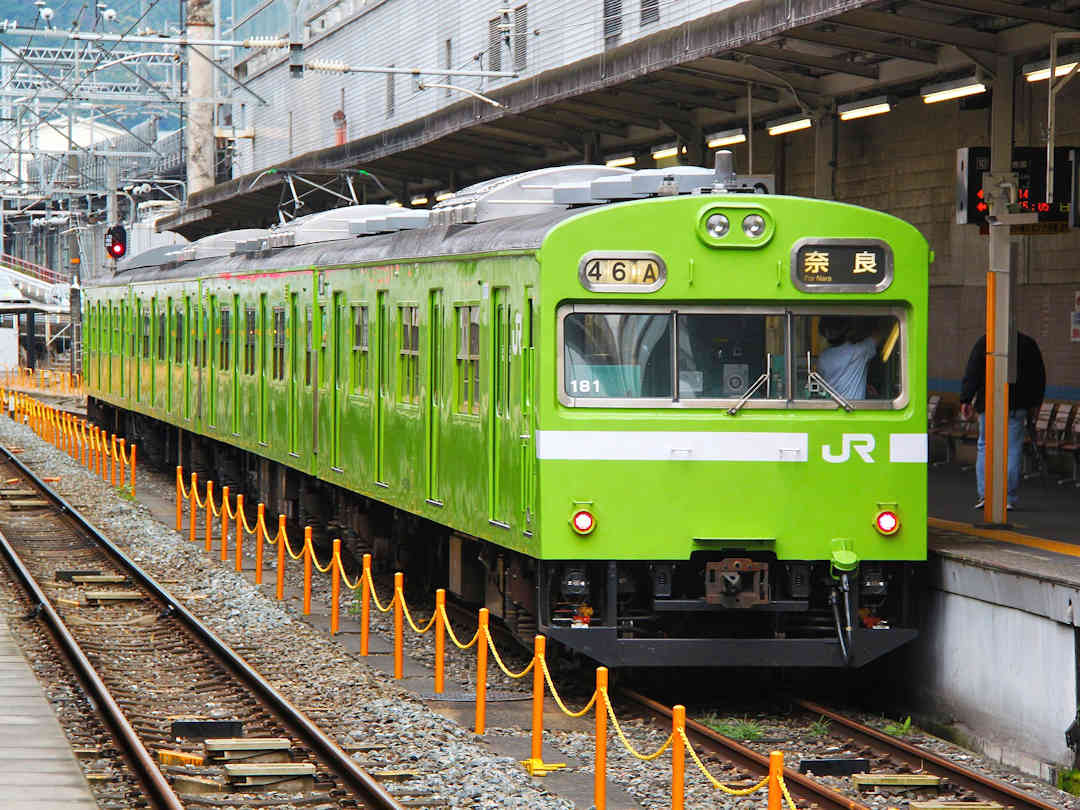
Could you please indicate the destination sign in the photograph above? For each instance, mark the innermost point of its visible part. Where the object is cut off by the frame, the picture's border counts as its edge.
(841, 265)
(625, 271)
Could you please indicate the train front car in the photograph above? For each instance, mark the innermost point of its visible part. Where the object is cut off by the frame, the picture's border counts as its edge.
(732, 465)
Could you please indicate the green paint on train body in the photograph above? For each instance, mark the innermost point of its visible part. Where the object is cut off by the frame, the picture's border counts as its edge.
(433, 383)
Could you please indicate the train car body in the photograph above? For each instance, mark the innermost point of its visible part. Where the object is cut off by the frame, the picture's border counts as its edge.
(613, 424)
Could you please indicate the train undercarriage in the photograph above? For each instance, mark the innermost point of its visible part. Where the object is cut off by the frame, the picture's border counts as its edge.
(721, 608)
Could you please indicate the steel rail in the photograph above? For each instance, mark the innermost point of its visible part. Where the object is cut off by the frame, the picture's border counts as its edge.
(356, 777)
(926, 761)
(800, 785)
(149, 775)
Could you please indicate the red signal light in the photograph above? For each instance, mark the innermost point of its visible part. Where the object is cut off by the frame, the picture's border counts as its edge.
(887, 522)
(583, 521)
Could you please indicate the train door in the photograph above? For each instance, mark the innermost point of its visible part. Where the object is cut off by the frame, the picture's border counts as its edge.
(382, 361)
(500, 437)
(434, 392)
(528, 419)
(294, 368)
(340, 377)
(263, 369)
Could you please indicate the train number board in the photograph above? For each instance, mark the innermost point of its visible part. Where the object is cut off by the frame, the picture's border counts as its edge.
(627, 271)
(841, 265)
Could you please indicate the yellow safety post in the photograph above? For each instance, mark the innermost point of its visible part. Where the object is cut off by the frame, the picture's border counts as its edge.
(281, 557)
(481, 673)
(241, 518)
(678, 757)
(194, 504)
(224, 524)
(365, 604)
(776, 772)
(133, 469)
(211, 513)
(600, 759)
(260, 527)
(308, 551)
(179, 500)
(536, 752)
(335, 586)
(440, 640)
(399, 631)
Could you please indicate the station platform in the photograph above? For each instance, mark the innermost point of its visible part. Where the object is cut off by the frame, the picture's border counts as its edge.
(38, 770)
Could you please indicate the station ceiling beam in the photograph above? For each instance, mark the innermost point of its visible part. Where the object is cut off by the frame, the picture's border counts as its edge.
(826, 63)
(997, 8)
(907, 26)
(859, 42)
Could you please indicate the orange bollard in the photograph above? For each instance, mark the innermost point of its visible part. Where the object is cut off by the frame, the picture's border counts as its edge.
(399, 630)
(259, 543)
(335, 587)
(133, 447)
(308, 551)
(281, 558)
(537, 753)
(194, 506)
(776, 769)
(209, 538)
(224, 524)
(600, 760)
(179, 499)
(123, 460)
(481, 672)
(365, 604)
(239, 532)
(440, 640)
(678, 757)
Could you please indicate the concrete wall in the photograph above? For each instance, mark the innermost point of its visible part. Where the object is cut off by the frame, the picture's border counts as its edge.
(1009, 673)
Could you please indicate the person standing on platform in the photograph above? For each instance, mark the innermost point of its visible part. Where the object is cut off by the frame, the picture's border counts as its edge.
(1025, 396)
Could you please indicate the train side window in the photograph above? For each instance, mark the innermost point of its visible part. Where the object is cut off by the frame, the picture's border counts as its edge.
(468, 359)
(853, 357)
(178, 350)
(226, 339)
(250, 335)
(409, 354)
(279, 344)
(361, 348)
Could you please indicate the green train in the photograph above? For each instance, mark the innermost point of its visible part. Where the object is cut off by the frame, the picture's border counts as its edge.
(661, 420)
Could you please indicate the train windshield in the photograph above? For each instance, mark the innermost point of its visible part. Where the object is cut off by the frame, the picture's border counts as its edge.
(697, 356)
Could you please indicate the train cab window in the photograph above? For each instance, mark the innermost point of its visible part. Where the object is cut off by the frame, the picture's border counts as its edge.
(847, 357)
(468, 360)
(409, 354)
(360, 348)
(725, 356)
(250, 336)
(617, 355)
(178, 350)
(278, 370)
(225, 354)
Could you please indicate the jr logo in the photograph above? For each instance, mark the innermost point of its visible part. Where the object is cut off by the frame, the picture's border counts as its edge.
(861, 443)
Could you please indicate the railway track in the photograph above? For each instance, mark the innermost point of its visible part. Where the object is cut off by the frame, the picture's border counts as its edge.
(153, 669)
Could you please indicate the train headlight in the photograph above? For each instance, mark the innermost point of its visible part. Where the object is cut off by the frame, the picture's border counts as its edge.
(887, 522)
(717, 225)
(754, 225)
(583, 521)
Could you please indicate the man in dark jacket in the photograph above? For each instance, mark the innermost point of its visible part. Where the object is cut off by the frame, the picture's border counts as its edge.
(1025, 396)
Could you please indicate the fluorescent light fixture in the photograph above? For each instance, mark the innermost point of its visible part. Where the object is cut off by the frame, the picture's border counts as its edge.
(728, 137)
(615, 161)
(879, 105)
(782, 126)
(418, 201)
(947, 91)
(443, 195)
(1040, 71)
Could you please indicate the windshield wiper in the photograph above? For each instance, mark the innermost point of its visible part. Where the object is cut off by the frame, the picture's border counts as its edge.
(815, 377)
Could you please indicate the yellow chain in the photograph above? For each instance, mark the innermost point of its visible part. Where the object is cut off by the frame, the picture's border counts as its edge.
(502, 666)
(375, 596)
(784, 790)
(398, 594)
(622, 737)
(715, 782)
(558, 700)
(453, 638)
(315, 561)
